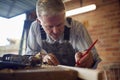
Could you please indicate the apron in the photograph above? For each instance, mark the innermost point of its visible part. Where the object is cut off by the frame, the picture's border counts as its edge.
(64, 51)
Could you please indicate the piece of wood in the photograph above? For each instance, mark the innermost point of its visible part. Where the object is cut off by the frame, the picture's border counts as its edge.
(85, 73)
(42, 73)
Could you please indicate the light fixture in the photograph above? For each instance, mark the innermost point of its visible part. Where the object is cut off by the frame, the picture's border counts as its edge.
(81, 10)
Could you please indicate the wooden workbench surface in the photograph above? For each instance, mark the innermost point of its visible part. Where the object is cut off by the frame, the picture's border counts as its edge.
(39, 73)
(47, 72)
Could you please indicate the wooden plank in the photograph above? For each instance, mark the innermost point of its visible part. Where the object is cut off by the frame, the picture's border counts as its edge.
(42, 73)
(85, 73)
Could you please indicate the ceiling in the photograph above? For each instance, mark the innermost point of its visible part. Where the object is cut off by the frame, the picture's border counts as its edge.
(12, 8)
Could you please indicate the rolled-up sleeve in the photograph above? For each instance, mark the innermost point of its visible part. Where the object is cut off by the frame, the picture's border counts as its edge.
(32, 44)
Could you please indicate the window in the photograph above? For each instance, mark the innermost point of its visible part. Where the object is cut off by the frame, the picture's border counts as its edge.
(10, 34)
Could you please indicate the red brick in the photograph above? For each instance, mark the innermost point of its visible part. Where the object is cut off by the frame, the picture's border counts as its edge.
(104, 24)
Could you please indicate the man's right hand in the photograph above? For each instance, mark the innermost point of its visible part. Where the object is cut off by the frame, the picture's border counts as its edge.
(51, 59)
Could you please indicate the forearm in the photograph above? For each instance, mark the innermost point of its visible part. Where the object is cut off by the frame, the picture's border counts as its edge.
(32, 46)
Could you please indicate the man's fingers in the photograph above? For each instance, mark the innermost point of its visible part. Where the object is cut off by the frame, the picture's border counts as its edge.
(78, 55)
(82, 61)
(54, 59)
(86, 61)
(51, 59)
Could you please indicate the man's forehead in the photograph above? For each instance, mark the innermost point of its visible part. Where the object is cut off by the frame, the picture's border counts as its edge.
(52, 20)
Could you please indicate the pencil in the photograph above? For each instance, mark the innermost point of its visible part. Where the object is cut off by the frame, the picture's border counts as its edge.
(88, 50)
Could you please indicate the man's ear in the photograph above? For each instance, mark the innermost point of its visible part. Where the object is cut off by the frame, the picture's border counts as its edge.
(38, 21)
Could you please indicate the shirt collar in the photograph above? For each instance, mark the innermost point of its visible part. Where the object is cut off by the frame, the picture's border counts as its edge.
(50, 40)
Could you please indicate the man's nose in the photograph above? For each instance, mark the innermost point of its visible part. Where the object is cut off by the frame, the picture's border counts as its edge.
(55, 29)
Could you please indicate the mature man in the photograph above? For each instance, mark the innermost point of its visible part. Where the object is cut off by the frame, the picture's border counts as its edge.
(62, 39)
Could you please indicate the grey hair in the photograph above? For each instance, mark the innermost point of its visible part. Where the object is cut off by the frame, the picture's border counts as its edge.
(49, 7)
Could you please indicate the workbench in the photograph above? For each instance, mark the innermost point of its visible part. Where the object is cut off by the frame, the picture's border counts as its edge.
(59, 72)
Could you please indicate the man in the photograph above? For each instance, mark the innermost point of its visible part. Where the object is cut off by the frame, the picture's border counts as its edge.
(63, 40)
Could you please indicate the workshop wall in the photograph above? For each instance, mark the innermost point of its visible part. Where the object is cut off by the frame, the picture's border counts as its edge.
(103, 24)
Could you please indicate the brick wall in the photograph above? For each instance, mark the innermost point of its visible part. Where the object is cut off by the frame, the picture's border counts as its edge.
(103, 24)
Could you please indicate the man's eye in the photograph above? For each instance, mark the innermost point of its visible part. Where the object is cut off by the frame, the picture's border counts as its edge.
(59, 25)
(50, 26)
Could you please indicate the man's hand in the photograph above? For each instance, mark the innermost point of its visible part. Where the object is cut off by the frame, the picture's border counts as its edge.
(84, 61)
(50, 59)
(34, 60)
